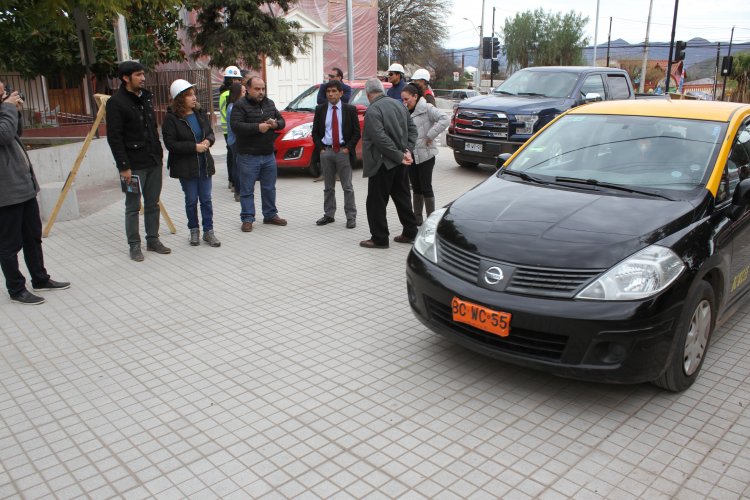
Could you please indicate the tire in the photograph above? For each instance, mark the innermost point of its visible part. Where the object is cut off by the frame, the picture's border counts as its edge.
(464, 163)
(314, 169)
(693, 336)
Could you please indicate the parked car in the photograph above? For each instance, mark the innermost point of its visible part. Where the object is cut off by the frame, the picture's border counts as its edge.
(606, 249)
(483, 127)
(294, 144)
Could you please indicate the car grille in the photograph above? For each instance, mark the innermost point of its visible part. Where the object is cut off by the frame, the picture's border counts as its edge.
(479, 123)
(523, 342)
(538, 281)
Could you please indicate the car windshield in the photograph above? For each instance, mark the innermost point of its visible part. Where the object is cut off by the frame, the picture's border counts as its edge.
(539, 83)
(631, 151)
(308, 99)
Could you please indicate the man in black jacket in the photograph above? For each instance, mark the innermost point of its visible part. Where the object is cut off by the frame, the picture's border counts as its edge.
(134, 141)
(335, 133)
(253, 120)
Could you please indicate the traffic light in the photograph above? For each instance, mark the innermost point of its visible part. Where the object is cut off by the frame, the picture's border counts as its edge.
(495, 66)
(679, 51)
(486, 48)
(495, 47)
(726, 66)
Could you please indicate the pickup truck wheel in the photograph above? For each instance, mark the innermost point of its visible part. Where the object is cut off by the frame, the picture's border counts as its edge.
(314, 169)
(466, 164)
(693, 334)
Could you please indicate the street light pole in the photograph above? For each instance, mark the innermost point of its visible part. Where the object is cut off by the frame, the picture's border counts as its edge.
(478, 74)
(671, 48)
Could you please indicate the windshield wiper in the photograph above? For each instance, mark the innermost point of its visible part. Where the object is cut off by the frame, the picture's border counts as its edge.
(306, 110)
(504, 92)
(619, 187)
(534, 94)
(523, 175)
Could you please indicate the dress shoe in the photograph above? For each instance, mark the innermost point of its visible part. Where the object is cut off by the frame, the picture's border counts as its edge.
(318, 179)
(324, 220)
(27, 298)
(135, 253)
(52, 285)
(247, 227)
(276, 221)
(371, 244)
(158, 247)
(403, 239)
(351, 224)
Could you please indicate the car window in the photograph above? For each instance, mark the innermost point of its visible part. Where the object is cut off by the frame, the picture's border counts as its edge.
(546, 83)
(618, 87)
(593, 83)
(671, 154)
(359, 97)
(738, 164)
(306, 101)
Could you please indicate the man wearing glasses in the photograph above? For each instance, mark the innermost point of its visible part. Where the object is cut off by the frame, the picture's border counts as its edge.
(398, 82)
(335, 74)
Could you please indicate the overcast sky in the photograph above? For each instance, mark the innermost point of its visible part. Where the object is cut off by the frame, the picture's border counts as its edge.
(695, 18)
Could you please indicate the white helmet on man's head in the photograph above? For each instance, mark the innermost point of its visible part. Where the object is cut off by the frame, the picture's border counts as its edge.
(232, 72)
(396, 68)
(421, 74)
(179, 86)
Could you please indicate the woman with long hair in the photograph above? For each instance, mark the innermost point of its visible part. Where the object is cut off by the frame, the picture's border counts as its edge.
(430, 123)
(188, 136)
(236, 91)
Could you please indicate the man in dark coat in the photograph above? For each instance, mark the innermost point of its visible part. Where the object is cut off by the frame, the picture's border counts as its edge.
(20, 224)
(335, 133)
(254, 121)
(134, 141)
(388, 138)
(335, 74)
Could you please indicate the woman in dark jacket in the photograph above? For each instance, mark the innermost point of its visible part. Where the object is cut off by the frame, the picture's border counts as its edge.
(188, 135)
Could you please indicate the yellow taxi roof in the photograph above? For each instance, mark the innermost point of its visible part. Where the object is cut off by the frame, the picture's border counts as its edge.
(671, 108)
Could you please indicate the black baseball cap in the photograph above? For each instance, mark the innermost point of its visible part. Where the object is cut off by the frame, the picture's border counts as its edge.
(127, 68)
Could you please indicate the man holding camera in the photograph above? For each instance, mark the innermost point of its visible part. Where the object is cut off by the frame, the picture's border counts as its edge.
(20, 223)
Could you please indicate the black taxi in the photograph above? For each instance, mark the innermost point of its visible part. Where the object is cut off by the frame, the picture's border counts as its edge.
(607, 248)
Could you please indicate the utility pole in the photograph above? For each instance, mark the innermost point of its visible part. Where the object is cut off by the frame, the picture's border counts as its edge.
(596, 30)
(716, 69)
(729, 54)
(350, 39)
(492, 51)
(671, 48)
(609, 39)
(478, 74)
(389, 38)
(645, 48)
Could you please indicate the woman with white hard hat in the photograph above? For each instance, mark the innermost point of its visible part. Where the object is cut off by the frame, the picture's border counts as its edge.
(421, 79)
(188, 136)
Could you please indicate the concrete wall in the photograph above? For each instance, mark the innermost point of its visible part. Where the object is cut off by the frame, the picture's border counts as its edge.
(53, 164)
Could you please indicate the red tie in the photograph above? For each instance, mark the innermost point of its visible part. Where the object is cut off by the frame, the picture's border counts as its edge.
(335, 131)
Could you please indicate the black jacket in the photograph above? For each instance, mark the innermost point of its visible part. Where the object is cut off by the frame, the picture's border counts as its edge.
(349, 129)
(247, 114)
(183, 161)
(131, 130)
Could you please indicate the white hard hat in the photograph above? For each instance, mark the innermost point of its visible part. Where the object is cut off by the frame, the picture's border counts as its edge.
(232, 72)
(421, 74)
(396, 67)
(179, 86)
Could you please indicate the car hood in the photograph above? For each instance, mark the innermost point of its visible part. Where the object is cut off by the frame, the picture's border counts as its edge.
(547, 226)
(515, 104)
(294, 118)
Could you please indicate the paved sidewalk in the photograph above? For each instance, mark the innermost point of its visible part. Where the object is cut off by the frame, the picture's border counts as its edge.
(287, 363)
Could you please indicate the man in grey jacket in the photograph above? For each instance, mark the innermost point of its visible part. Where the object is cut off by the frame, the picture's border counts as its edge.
(20, 224)
(388, 138)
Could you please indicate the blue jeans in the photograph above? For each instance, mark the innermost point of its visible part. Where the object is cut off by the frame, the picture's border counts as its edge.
(251, 169)
(195, 189)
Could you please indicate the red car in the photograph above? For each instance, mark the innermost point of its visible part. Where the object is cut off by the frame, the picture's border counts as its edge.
(294, 144)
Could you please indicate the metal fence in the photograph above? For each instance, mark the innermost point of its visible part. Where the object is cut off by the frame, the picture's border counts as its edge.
(52, 102)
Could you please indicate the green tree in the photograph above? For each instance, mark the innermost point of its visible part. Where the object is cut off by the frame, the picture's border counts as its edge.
(741, 74)
(234, 32)
(417, 29)
(543, 39)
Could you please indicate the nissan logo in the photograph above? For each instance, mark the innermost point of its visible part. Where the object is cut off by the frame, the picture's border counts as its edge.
(493, 275)
(477, 123)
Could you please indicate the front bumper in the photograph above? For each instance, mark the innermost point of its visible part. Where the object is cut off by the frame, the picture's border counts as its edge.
(617, 342)
(491, 148)
(296, 153)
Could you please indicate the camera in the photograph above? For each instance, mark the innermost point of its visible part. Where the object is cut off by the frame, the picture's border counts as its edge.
(9, 90)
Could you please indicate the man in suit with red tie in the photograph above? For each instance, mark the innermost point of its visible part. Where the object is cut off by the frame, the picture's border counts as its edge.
(335, 134)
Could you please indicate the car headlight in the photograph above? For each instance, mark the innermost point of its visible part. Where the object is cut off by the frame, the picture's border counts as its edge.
(526, 123)
(641, 275)
(298, 132)
(425, 243)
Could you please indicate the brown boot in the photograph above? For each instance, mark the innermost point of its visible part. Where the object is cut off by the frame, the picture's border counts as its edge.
(429, 205)
(416, 200)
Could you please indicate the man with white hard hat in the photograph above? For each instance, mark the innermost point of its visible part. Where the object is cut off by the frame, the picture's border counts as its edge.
(231, 74)
(397, 80)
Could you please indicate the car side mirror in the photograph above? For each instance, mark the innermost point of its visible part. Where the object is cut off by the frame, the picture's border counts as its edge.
(361, 109)
(740, 199)
(592, 97)
(501, 159)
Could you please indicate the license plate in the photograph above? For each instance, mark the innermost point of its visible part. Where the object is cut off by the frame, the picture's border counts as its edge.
(472, 146)
(483, 318)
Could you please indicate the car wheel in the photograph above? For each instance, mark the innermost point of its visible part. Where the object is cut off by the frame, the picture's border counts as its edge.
(464, 163)
(693, 334)
(314, 169)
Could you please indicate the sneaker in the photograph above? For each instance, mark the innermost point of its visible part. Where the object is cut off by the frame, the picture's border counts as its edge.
(135, 253)
(195, 237)
(324, 220)
(276, 221)
(158, 247)
(351, 224)
(52, 285)
(27, 298)
(247, 227)
(211, 238)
